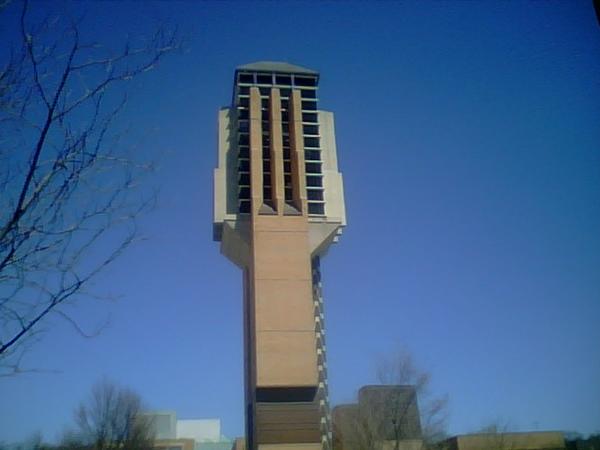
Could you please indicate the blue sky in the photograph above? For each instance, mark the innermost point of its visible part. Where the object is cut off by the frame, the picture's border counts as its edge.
(469, 138)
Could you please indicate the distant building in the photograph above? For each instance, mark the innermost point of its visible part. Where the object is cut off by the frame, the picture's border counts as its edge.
(533, 440)
(239, 444)
(383, 415)
(388, 417)
(187, 434)
(175, 444)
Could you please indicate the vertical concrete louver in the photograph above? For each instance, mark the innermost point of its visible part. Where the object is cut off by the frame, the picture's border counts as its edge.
(278, 206)
(323, 390)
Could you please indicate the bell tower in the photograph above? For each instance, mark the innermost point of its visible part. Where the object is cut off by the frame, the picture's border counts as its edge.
(278, 207)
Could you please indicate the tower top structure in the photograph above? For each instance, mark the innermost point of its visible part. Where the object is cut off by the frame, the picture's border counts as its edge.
(275, 66)
(322, 184)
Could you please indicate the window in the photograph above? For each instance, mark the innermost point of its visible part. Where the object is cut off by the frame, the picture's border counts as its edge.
(244, 139)
(308, 93)
(314, 181)
(283, 79)
(244, 152)
(316, 208)
(243, 126)
(305, 81)
(244, 179)
(312, 167)
(310, 129)
(309, 117)
(264, 78)
(243, 114)
(244, 165)
(312, 155)
(314, 194)
(311, 142)
(245, 193)
(246, 78)
(309, 106)
(245, 206)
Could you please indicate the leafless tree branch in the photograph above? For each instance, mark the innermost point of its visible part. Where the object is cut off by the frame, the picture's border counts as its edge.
(402, 411)
(70, 195)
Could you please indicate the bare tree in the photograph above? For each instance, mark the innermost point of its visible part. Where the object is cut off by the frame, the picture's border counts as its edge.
(356, 429)
(69, 191)
(111, 419)
(400, 369)
(576, 441)
(33, 442)
(398, 414)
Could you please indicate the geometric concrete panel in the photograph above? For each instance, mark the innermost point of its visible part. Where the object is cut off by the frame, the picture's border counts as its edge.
(284, 305)
(286, 358)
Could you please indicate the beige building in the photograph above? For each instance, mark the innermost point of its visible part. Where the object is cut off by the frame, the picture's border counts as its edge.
(171, 433)
(174, 444)
(533, 440)
(385, 417)
(278, 207)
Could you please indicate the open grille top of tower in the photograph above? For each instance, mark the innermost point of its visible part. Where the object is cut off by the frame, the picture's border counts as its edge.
(285, 78)
(295, 170)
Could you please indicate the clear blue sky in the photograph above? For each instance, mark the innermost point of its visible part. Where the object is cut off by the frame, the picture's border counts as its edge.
(469, 138)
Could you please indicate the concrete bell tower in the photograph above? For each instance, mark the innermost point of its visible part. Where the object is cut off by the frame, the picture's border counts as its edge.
(278, 206)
